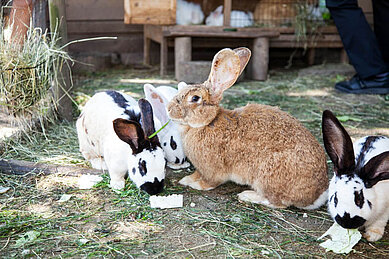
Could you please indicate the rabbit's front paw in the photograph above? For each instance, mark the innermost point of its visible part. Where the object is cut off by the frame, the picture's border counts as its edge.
(117, 185)
(373, 234)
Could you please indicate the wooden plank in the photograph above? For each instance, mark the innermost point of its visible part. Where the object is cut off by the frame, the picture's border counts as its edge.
(130, 43)
(330, 29)
(62, 87)
(217, 31)
(260, 59)
(227, 12)
(164, 57)
(19, 167)
(150, 11)
(182, 53)
(94, 10)
(153, 32)
(102, 27)
(290, 41)
(39, 14)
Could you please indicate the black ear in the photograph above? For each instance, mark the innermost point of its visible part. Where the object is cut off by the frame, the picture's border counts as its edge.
(146, 113)
(338, 144)
(377, 169)
(130, 132)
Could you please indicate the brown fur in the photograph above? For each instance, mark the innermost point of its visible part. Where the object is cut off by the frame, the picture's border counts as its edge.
(257, 145)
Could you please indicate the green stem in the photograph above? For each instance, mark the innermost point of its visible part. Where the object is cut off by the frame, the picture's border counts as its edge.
(155, 133)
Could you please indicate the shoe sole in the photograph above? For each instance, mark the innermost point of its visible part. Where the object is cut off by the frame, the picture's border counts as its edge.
(363, 90)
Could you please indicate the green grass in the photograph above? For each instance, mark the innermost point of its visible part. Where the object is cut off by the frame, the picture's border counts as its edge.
(103, 223)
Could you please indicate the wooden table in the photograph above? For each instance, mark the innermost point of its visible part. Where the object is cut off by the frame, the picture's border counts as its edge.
(183, 34)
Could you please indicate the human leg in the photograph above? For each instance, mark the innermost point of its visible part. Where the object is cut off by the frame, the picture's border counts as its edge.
(362, 47)
(358, 38)
(381, 27)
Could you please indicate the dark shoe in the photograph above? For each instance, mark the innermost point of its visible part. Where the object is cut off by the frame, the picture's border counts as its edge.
(372, 85)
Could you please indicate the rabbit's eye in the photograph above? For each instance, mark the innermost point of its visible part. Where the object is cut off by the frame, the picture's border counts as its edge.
(195, 98)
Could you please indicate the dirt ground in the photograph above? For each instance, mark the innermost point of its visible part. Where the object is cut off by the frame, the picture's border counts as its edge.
(212, 224)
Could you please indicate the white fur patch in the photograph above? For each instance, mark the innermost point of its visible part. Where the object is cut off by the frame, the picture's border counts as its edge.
(323, 198)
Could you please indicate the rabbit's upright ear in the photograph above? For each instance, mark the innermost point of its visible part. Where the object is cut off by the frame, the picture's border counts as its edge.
(224, 72)
(158, 102)
(146, 113)
(338, 144)
(131, 133)
(244, 57)
(377, 169)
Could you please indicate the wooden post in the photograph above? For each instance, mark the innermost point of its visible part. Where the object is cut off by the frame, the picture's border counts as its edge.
(260, 59)
(20, 19)
(164, 56)
(311, 56)
(343, 56)
(227, 12)
(146, 50)
(182, 53)
(57, 14)
(39, 14)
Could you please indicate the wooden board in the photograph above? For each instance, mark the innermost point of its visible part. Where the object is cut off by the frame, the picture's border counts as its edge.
(94, 10)
(216, 31)
(150, 11)
(20, 167)
(108, 28)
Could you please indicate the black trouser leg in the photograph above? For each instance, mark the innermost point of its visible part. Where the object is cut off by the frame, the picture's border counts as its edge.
(358, 38)
(381, 27)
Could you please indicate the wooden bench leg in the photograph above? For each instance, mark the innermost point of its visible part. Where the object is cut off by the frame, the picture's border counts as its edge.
(182, 53)
(311, 56)
(146, 50)
(260, 59)
(163, 55)
(343, 56)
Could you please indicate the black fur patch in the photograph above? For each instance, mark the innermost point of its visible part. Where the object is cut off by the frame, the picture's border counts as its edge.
(359, 199)
(366, 147)
(369, 203)
(177, 160)
(142, 167)
(173, 144)
(153, 187)
(334, 198)
(183, 160)
(133, 170)
(122, 103)
(351, 223)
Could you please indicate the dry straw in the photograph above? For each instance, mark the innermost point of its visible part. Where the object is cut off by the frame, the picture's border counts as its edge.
(27, 73)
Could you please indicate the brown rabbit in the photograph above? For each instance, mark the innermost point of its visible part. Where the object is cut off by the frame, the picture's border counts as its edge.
(257, 145)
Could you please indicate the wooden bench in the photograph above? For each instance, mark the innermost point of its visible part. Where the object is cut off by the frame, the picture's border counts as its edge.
(183, 36)
(322, 37)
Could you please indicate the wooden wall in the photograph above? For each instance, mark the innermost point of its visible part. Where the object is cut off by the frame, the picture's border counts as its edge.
(94, 18)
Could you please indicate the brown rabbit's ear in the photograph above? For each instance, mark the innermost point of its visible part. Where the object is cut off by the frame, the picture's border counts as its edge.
(244, 56)
(224, 72)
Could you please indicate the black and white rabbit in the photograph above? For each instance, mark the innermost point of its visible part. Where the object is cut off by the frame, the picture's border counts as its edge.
(359, 189)
(113, 131)
(169, 136)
